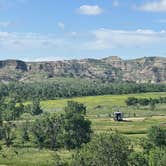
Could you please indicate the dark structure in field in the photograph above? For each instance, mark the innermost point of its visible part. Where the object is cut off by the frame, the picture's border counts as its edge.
(118, 116)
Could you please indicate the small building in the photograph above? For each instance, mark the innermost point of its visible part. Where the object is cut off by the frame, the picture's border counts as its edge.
(118, 116)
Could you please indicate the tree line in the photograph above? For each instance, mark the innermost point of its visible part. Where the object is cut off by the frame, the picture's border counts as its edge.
(133, 101)
(64, 88)
(11, 109)
(145, 101)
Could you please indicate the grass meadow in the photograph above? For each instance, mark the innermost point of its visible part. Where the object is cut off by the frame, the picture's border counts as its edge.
(100, 111)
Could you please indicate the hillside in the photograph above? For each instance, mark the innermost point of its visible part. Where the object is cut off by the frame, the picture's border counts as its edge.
(113, 68)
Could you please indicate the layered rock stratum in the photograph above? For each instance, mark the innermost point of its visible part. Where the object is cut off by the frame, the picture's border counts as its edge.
(110, 69)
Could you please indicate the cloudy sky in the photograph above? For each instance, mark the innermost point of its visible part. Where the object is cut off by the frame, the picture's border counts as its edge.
(67, 29)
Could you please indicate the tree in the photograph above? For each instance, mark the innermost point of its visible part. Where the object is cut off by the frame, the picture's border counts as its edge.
(58, 161)
(54, 124)
(131, 101)
(36, 109)
(157, 135)
(143, 101)
(69, 130)
(75, 107)
(104, 149)
(157, 157)
(25, 132)
(1, 126)
(39, 133)
(9, 133)
(146, 144)
(10, 110)
(46, 130)
(138, 159)
(152, 105)
(76, 130)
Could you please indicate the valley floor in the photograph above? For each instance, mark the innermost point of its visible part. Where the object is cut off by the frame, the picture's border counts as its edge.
(100, 111)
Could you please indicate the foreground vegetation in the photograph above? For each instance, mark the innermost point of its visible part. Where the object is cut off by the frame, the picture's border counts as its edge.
(59, 132)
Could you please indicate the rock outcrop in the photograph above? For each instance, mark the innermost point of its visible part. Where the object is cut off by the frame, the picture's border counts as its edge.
(142, 70)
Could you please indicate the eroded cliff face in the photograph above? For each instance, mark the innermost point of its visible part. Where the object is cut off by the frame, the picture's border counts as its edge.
(13, 65)
(12, 70)
(143, 70)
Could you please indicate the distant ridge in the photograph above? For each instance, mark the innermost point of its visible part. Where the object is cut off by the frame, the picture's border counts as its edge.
(109, 69)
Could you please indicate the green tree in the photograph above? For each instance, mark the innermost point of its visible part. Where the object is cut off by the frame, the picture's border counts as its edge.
(105, 149)
(10, 110)
(75, 107)
(39, 132)
(9, 133)
(53, 126)
(138, 159)
(36, 109)
(146, 144)
(131, 101)
(46, 130)
(58, 161)
(153, 103)
(76, 130)
(157, 135)
(157, 157)
(143, 101)
(152, 106)
(25, 132)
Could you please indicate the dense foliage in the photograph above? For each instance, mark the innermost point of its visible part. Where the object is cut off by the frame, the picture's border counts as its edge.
(116, 150)
(157, 135)
(45, 131)
(76, 129)
(69, 130)
(105, 149)
(11, 109)
(72, 130)
(73, 87)
(133, 101)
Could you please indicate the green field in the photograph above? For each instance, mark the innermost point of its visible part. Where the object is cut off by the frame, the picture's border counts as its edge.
(99, 111)
(100, 108)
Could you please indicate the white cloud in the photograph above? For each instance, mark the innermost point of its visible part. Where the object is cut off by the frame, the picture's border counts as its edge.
(61, 25)
(45, 58)
(99, 39)
(108, 38)
(23, 41)
(154, 6)
(90, 10)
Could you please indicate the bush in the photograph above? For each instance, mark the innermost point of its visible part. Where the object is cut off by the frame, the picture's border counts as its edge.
(104, 149)
(157, 135)
(131, 101)
(157, 157)
(137, 159)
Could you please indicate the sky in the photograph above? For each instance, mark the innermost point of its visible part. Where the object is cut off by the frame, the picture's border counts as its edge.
(45, 30)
